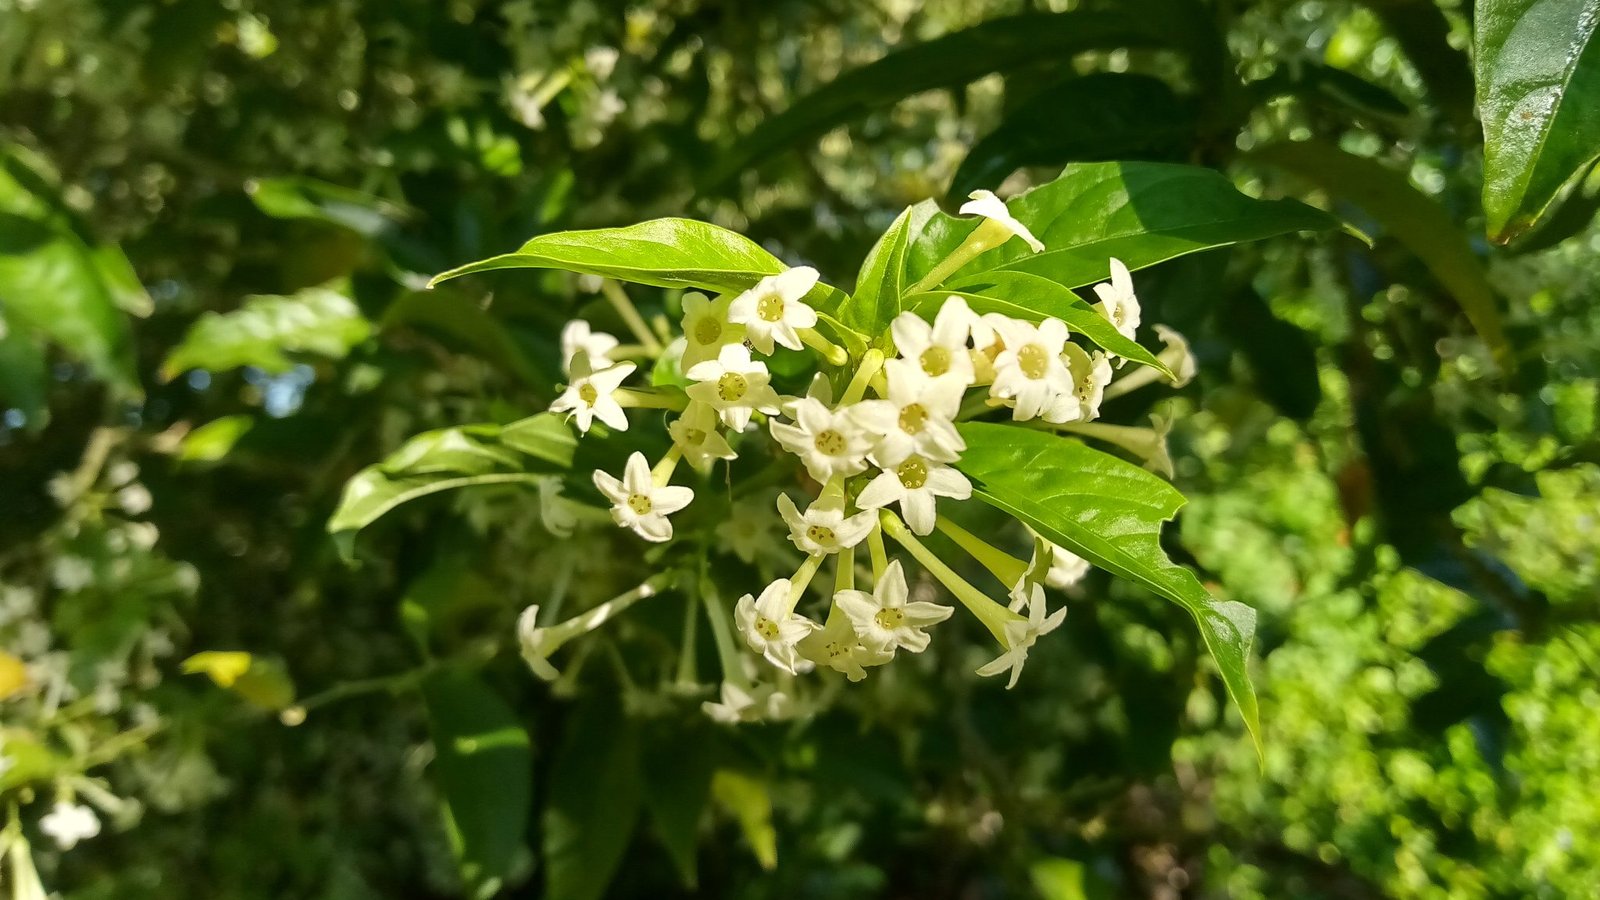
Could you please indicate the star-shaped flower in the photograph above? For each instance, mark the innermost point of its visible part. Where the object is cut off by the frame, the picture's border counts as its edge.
(828, 441)
(771, 627)
(696, 433)
(823, 527)
(986, 204)
(1117, 301)
(68, 823)
(638, 504)
(914, 484)
(937, 350)
(577, 338)
(772, 311)
(916, 419)
(592, 394)
(1029, 374)
(1021, 635)
(706, 329)
(884, 621)
(735, 385)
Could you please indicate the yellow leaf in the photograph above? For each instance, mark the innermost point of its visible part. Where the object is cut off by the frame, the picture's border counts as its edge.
(13, 675)
(222, 666)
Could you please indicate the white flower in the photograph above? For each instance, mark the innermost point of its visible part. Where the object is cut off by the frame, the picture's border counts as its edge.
(823, 527)
(772, 310)
(1020, 636)
(1117, 301)
(1176, 356)
(637, 503)
(536, 644)
(134, 499)
(577, 338)
(555, 511)
(706, 329)
(592, 394)
(837, 647)
(735, 385)
(884, 620)
(828, 441)
(1029, 374)
(757, 703)
(986, 204)
(69, 823)
(914, 484)
(938, 350)
(1066, 568)
(695, 432)
(1090, 373)
(917, 419)
(770, 626)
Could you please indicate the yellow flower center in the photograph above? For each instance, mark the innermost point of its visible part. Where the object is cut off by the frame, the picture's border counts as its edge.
(822, 535)
(707, 331)
(731, 387)
(767, 628)
(694, 437)
(935, 361)
(912, 418)
(890, 618)
(587, 393)
(830, 442)
(1033, 361)
(913, 473)
(836, 649)
(770, 308)
(640, 504)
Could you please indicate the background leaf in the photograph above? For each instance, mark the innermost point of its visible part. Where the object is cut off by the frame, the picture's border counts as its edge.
(484, 768)
(998, 45)
(1109, 512)
(1539, 98)
(1413, 218)
(265, 330)
(596, 792)
(1100, 116)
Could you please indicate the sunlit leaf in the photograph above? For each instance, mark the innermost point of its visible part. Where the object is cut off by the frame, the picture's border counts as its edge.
(268, 330)
(1538, 66)
(750, 801)
(881, 283)
(1140, 213)
(1110, 512)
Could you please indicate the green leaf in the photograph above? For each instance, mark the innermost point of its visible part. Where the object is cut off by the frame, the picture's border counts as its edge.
(1412, 217)
(53, 282)
(999, 45)
(750, 801)
(595, 797)
(1109, 512)
(1423, 33)
(1141, 213)
(664, 252)
(1102, 116)
(881, 283)
(1538, 67)
(295, 197)
(447, 459)
(483, 765)
(266, 330)
(215, 439)
(676, 794)
(1031, 298)
(462, 324)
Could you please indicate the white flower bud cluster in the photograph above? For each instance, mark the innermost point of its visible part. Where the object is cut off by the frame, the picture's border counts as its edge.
(889, 440)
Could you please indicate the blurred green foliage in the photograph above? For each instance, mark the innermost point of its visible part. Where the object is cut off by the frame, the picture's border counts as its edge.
(1391, 452)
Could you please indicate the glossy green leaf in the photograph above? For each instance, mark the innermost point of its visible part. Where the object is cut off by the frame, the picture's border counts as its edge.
(1412, 217)
(1109, 512)
(483, 765)
(596, 794)
(1031, 298)
(999, 45)
(1106, 115)
(1140, 213)
(53, 282)
(662, 252)
(881, 283)
(447, 459)
(1538, 66)
(267, 330)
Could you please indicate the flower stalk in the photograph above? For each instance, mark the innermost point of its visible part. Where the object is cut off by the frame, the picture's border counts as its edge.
(993, 616)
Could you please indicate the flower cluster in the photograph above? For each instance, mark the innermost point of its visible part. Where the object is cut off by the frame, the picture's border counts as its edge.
(876, 438)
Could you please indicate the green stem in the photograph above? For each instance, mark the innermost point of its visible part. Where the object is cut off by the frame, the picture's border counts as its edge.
(871, 363)
(1003, 566)
(687, 646)
(993, 616)
(721, 634)
(636, 398)
(844, 576)
(661, 475)
(802, 579)
(630, 316)
(833, 353)
(985, 237)
(880, 557)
